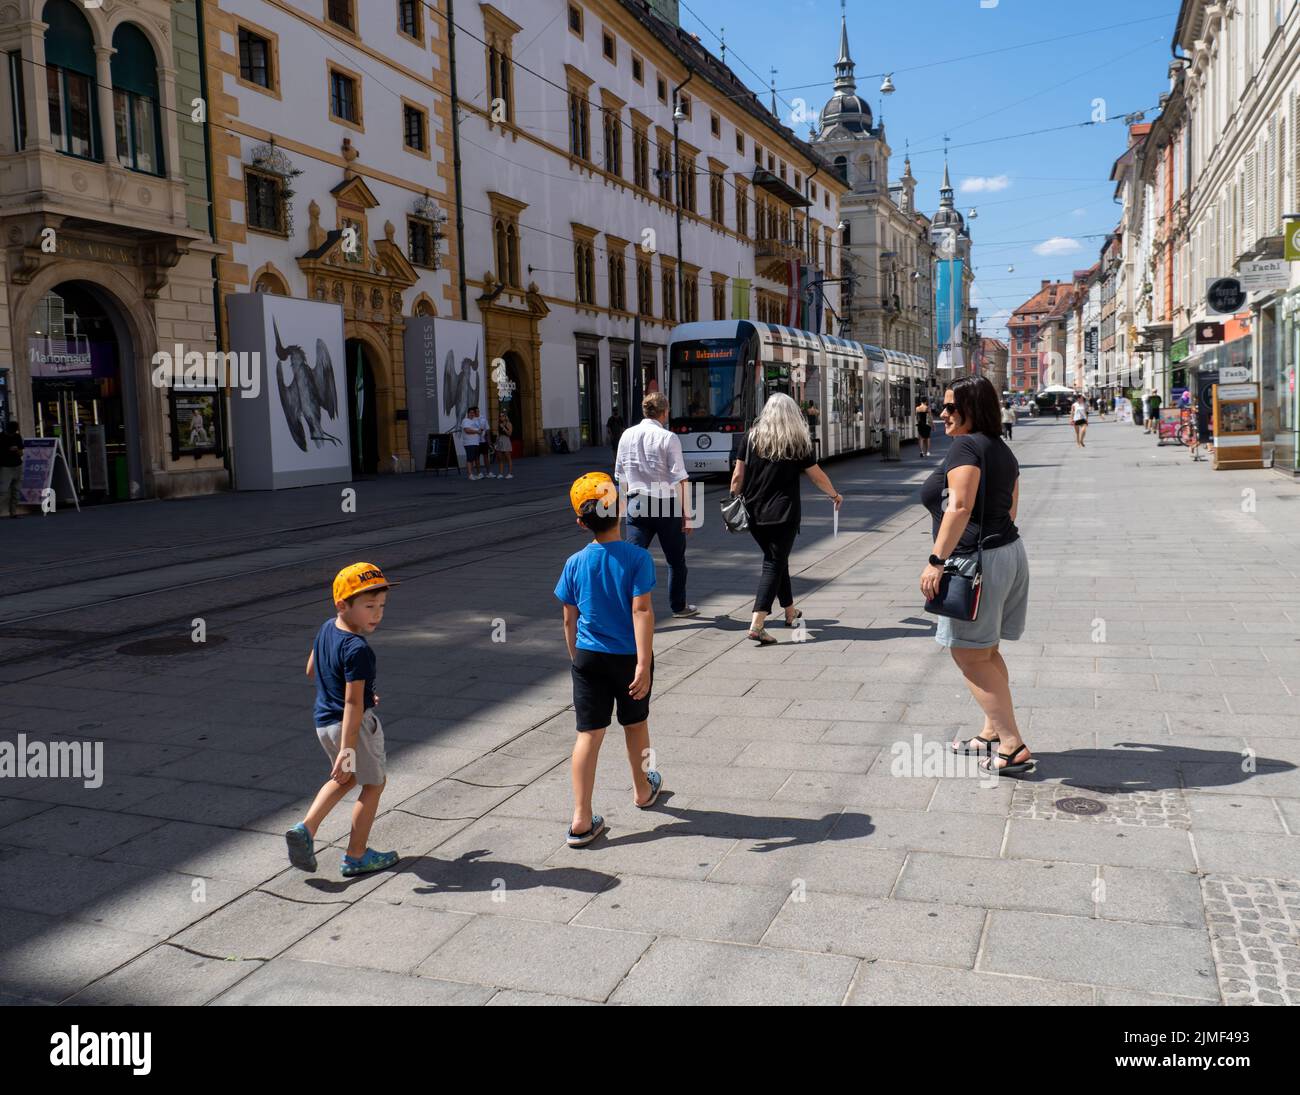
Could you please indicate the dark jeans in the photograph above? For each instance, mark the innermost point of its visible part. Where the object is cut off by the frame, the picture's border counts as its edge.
(672, 538)
(776, 542)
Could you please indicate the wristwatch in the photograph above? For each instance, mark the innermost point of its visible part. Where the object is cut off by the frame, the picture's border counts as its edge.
(935, 561)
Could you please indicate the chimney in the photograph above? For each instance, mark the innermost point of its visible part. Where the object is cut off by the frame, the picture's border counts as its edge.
(1046, 283)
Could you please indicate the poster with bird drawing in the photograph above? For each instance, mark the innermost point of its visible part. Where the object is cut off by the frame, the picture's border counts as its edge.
(291, 418)
(463, 375)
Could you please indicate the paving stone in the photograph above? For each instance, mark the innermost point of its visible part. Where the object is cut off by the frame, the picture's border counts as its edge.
(1144, 957)
(1117, 845)
(288, 982)
(165, 976)
(692, 910)
(379, 935)
(1163, 809)
(1252, 855)
(1256, 938)
(911, 984)
(515, 998)
(999, 883)
(207, 851)
(57, 884)
(258, 925)
(564, 959)
(692, 972)
(215, 804)
(76, 831)
(916, 831)
(449, 798)
(1237, 814)
(63, 957)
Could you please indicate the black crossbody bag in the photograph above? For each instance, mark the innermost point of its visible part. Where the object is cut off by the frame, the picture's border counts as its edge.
(959, 594)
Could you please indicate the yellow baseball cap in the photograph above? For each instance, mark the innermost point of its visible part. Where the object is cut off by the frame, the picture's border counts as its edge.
(358, 578)
(595, 485)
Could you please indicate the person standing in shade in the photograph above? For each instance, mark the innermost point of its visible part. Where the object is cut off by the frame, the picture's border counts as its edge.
(505, 446)
(615, 427)
(11, 467)
(655, 493)
(474, 438)
(777, 450)
(923, 426)
(1079, 416)
(977, 472)
(1153, 415)
(1008, 419)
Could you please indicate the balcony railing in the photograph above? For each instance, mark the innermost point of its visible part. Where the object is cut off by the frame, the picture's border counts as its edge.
(777, 249)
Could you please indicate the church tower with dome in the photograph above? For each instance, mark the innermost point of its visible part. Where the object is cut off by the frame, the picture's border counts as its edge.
(887, 299)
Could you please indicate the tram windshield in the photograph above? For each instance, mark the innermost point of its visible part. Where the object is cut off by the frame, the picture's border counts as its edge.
(711, 389)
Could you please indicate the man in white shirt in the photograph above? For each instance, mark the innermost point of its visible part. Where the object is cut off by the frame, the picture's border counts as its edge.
(653, 484)
(474, 431)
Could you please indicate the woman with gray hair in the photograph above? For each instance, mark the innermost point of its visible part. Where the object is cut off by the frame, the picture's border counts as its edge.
(777, 449)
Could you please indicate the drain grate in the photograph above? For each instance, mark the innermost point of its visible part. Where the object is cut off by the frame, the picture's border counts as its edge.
(1084, 806)
(168, 646)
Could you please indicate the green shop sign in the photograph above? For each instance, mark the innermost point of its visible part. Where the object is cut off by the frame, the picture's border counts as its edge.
(1178, 351)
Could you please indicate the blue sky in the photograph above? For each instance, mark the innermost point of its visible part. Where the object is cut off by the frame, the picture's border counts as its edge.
(1050, 190)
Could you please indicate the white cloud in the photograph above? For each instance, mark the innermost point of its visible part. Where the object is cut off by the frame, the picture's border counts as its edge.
(1080, 212)
(979, 184)
(1058, 245)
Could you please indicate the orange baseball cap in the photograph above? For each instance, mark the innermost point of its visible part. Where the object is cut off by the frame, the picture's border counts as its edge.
(358, 578)
(595, 485)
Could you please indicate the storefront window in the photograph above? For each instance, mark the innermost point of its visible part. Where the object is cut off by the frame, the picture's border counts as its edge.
(1286, 454)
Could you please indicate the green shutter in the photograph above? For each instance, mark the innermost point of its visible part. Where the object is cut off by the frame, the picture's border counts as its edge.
(135, 68)
(68, 41)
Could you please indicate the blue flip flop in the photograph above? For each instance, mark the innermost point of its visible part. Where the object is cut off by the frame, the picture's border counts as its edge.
(581, 840)
(656, 785)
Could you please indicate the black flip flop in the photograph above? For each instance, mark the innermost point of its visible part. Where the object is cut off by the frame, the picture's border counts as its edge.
(965, 747)
(797, 616)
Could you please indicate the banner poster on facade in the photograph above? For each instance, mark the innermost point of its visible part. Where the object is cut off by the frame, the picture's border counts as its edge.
(293, 431)
(422, 383)
(462, 374)
(947, 313)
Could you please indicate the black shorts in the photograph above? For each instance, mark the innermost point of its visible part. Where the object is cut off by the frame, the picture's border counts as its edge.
(922, 431)
(600, 684)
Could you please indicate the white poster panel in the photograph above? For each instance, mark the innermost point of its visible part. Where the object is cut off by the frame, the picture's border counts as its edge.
(305, 383)
(463, 372)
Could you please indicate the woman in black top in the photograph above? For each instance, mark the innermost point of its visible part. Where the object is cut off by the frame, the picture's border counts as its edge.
(923, 425)
(767, 474)
(973, 499)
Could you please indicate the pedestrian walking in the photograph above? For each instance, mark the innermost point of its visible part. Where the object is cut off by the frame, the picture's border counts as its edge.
(972, 501)
(11, 467)
(1079, 416)
(609, 625)
(1008, 419)
(1056, 408)
(346, 724)
(651, 475)
(923, 426)
(505, 446)
(615, 426)
(777, 450)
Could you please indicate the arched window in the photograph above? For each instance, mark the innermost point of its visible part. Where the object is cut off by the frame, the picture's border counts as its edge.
(512, 249)
(70, 81)
(135, 101)
(503, 261)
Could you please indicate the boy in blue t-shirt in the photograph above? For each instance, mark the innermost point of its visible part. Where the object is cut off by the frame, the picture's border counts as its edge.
(609, 626)
(346, 723)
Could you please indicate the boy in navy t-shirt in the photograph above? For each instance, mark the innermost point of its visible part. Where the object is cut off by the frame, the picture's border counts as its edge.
(609, 628)
(346, 723)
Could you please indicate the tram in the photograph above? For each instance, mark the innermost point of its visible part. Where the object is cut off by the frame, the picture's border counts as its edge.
(721, 373)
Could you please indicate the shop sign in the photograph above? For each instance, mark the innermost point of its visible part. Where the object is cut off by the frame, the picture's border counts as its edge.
(1234, 374)
(1266, 274)
(72, 358)
(1207, 334)
(1291, 240)
(1225, 296)
(1178, 351)
(1230, 393)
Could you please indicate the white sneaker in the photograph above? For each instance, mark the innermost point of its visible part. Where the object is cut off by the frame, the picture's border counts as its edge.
(689, 610)
(473, 477)
(511, 475)
(492, 475)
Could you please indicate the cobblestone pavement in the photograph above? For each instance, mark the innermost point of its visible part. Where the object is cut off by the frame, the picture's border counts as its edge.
(815, 844)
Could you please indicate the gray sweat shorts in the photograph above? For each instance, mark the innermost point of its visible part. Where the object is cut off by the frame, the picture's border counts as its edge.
(371, 763)
(1004, 600)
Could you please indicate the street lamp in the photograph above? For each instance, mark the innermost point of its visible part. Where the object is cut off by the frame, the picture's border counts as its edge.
(887, 85)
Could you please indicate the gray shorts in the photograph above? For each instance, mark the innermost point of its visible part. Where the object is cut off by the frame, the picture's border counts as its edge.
(371, 764)
(1004, 600)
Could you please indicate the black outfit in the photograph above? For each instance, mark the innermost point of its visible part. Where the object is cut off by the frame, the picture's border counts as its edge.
(11, 450)
(600, 684)
(999, 471)
(615, 427)
(771, 493)
(923, 423)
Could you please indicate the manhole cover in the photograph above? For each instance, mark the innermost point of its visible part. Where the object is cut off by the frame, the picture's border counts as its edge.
(167, 646)
(1080, 806)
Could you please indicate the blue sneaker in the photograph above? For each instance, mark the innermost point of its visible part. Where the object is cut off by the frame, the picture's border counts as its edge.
(371, 861)
(302, 853)
(581, 840)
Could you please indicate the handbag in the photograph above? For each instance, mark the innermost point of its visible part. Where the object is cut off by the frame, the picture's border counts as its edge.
(734, 514)
(959, 594)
